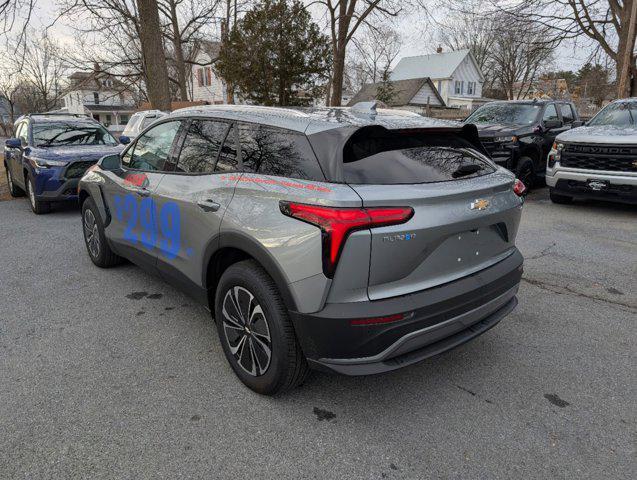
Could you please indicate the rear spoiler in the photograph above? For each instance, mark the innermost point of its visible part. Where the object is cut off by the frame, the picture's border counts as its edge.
(332, 146)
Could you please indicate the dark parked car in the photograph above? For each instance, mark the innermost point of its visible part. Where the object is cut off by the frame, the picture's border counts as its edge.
(50, 154)
(519, 134)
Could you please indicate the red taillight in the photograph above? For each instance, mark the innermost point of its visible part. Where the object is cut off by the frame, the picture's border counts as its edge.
(519, 188)
(337, 223)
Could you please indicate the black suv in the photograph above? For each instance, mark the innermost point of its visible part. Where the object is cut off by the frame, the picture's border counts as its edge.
(519, 134)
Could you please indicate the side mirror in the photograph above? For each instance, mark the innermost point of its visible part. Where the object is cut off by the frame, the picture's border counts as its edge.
(13, 143)
(577, 123)
(110, 162)
(548, 124)
(124, 140)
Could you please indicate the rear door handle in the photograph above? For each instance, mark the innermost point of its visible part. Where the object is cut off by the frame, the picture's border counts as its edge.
(208, 205)
(143, 192)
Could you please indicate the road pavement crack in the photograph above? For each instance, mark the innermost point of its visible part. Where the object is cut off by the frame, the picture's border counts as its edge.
(565, 289)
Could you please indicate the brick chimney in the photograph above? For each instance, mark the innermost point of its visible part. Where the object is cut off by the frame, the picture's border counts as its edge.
(439, 49)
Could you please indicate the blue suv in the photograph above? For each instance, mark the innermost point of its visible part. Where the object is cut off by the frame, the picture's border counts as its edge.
(49, 155)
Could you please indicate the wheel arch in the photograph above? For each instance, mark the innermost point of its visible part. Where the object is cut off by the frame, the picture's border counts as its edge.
(234, 247)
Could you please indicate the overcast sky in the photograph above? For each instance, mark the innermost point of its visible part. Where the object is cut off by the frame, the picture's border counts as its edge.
(416, 35)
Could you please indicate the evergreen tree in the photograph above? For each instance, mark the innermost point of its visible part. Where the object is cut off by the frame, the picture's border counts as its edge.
(276, 55)
(386, 92)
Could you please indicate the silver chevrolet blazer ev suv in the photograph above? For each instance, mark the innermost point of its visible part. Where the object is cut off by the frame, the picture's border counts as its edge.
(352, 240)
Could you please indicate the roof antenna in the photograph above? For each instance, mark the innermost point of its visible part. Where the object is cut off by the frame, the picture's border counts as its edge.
(365, 107)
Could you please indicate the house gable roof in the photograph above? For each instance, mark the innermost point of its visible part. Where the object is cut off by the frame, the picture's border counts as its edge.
(436, 65)
(405, 90)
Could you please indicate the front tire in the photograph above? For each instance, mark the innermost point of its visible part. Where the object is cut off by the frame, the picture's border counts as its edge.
(559, 199)
(14, 190)
(38, 206)
(526, 172)
(94, 238)
(255, 331)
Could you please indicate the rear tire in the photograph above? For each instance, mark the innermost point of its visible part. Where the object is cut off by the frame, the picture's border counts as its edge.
(526, 172)
(14, 190)
(560, 199)
(258, 338)
(94, 238)
(38, 206)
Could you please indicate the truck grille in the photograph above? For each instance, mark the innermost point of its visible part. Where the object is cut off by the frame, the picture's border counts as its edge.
(613, 158)
(497, 150)
(77, 169)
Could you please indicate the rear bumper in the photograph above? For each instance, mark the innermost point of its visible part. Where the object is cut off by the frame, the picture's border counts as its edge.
(437, 319)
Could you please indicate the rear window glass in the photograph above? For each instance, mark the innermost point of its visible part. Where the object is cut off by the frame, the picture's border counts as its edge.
(277, 152)
(410, 159)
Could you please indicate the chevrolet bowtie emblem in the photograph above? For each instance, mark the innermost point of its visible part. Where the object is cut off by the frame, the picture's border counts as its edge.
(480, 204)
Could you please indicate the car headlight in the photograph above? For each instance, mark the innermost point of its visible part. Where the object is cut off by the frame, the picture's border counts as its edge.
(555, 154)
(45, 163)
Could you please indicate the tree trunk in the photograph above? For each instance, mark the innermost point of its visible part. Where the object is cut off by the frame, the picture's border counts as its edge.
(337, 77)
(225, 34)
(179, 53)
(625, 58)
(153, 57)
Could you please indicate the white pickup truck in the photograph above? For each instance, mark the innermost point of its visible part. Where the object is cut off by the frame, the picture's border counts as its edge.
(598, 160)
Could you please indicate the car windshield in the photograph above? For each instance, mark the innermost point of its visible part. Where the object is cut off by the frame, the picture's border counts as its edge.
(619, 114)
(505, 113)
(69, 134)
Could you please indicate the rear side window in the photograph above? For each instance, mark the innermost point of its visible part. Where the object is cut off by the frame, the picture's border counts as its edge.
(567, 113)
(201, 146)
(277, 152)
(389, 159)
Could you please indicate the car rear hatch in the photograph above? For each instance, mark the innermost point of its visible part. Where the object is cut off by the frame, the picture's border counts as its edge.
(465, 212)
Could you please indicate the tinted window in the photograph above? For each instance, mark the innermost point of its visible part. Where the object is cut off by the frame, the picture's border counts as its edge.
(152, 150)
(550, 113)
(407, 159)
(505, 113)
(282, 153)
(228, 158)
(70, 134)
(201, 146)
(567, 113)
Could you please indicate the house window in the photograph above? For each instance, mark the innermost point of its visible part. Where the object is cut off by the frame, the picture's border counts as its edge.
(439, 86)
(96, 98)
(108, 119)
(204, 76)
(123, 119)
(471, 88)
(457, 87)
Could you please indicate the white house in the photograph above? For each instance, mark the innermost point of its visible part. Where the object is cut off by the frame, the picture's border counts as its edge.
(101, 96)
(206, 85)
(455, 75)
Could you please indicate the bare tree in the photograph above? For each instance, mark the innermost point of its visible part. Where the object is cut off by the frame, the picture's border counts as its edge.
(518, 53)
(16, 13)
(610, 24)
(376, 48)
(184, 27)
(345, 17)
(43, 69)
(154, 59)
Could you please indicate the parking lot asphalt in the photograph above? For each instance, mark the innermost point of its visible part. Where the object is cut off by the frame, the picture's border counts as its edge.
(115, 374)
